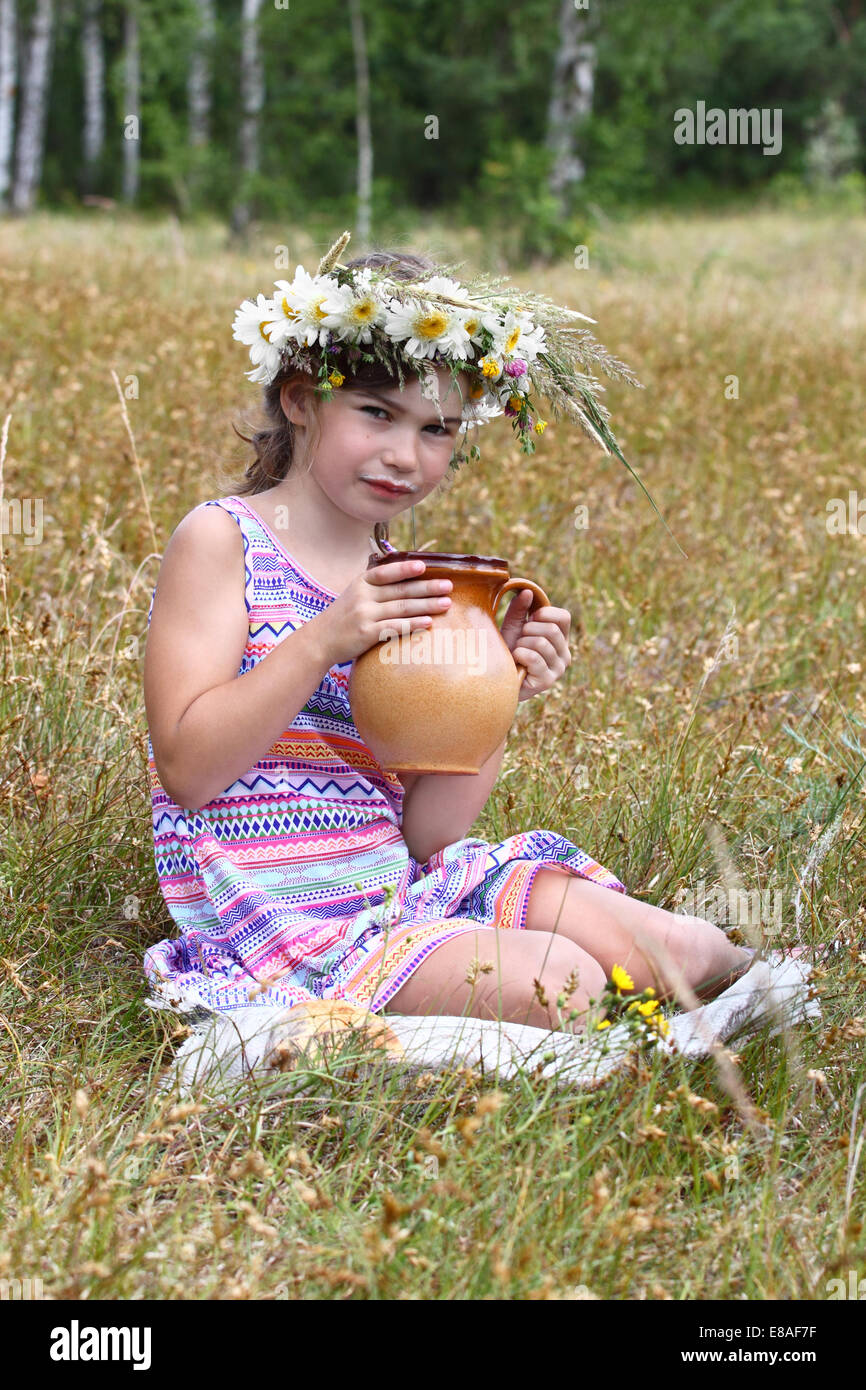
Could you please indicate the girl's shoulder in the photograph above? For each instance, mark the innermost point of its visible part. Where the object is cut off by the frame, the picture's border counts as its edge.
(207, 537)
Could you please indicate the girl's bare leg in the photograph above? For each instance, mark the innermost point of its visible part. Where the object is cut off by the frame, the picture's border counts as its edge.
(616, 929)
(453, 979)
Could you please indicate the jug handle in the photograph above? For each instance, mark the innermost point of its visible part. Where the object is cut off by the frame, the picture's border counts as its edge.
(539, 598)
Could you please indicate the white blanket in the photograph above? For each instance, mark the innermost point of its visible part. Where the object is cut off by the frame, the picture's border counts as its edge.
(228, 1050)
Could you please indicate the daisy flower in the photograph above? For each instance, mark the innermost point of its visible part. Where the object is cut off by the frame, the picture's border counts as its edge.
(354, 311)
(253, 326)
(425, 328)
(515, 335)
(479, 412)
(298, 311)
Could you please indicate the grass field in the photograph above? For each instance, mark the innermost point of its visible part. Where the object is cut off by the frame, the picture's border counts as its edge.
(718, 688)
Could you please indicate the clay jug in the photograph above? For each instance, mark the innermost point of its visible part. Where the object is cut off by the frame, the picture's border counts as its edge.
(441, 699)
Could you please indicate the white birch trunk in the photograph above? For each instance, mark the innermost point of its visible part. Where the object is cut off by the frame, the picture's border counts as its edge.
(362, 121)
(34, 103)
(198, 82)
(131, 102)
(570, 97)
(8, 74)
(93, 71)
(252, 100)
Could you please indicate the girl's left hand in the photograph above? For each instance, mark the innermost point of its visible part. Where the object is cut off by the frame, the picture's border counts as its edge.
(539, 643)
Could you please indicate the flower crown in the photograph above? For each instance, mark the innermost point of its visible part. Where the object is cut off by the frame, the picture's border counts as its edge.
(509, 343)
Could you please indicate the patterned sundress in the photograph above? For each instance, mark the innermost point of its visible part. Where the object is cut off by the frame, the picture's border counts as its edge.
(278, 885)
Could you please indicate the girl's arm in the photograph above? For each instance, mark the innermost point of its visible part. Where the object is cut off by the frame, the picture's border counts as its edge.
(207, 725)
(440, 808)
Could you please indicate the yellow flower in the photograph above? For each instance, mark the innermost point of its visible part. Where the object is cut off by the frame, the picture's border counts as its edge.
(515, 402)
(431, 325)
(540, 426)
(490, 367)
(336, 378)
(650, 992)
(476, 391)
(662, 1025)
(605, 1023)
(621, 979)
(648, 1008)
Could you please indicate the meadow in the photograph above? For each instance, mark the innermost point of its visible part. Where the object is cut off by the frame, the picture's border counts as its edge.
(709, 732)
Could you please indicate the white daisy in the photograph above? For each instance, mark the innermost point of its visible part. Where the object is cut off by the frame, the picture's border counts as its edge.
(253, 326)
(442, 284)
(425, 328)
(298, 311)
(481, 411)
(353, 311)
(515, 335)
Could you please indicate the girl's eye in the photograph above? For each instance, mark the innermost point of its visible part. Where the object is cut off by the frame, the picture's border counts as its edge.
(379, 408)
(440, 428)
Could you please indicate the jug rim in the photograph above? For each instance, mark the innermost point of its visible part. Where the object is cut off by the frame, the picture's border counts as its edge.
(440, 557)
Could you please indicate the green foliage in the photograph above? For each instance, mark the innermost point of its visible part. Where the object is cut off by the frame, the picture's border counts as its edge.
(459, 101)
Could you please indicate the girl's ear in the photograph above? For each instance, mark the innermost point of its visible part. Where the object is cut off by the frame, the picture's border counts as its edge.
(292, 400)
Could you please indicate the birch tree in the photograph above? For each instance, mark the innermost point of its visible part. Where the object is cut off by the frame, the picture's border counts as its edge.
(362, 123)
(198, 82)
(252, 100)
(34, 102)
(93, 73)
(570, 97)
(8, 72)
(131, 102)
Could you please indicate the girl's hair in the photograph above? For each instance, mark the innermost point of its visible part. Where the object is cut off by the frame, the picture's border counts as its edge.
(274, 442)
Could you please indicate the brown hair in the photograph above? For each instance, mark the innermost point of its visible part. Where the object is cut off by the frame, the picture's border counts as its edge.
(274, 441)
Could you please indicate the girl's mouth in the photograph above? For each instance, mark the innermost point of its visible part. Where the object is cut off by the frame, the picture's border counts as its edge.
(385, 490)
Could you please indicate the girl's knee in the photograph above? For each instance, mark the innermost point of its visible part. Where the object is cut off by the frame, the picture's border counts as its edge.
(565, 969)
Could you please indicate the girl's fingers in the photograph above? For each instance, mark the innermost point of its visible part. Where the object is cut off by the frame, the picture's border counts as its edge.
(552, 631)
(542, 648)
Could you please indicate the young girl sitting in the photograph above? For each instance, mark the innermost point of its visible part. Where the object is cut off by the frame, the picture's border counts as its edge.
(294, 865)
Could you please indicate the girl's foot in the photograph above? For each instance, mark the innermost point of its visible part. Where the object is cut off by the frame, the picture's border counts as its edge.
(712, 988)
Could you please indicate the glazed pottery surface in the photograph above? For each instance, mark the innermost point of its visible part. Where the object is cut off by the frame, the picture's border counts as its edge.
(443, 698)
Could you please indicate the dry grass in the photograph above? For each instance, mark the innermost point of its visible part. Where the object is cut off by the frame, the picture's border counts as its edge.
(664, 726)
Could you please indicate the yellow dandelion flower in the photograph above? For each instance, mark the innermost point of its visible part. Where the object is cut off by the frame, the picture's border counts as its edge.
(336, 378)
(648, 1008)
(540, 426)
(605, 1023)
(662, 1025)
(621, 979)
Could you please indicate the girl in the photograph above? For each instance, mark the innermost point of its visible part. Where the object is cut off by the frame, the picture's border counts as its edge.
(295, 867)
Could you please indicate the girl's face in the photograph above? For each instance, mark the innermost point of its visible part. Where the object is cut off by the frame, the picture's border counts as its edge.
(382, 434)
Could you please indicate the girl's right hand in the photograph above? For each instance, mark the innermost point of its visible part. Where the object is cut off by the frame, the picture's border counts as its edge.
(394, 595)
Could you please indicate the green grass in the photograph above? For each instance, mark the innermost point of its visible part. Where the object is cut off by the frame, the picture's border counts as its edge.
(364, 1187)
